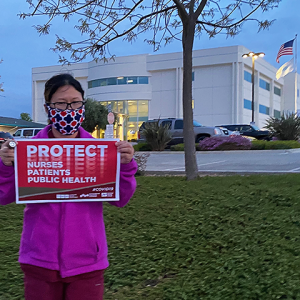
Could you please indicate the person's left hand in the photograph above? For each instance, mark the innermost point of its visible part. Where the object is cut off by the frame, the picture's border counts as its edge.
(126, 151)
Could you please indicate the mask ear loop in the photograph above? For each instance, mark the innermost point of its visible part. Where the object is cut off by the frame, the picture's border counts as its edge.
(48, 107)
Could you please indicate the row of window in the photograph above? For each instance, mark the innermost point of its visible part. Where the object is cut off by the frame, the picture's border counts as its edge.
(118, 81)
(262, 83)
(262, 108)
(134, 110)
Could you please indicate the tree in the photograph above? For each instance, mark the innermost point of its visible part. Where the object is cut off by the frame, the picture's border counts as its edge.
(101, 22)
(25, 117)
(285, 128)
(95, 115)
(1, 84)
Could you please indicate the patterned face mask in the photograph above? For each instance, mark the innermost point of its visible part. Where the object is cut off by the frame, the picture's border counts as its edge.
(66, 121)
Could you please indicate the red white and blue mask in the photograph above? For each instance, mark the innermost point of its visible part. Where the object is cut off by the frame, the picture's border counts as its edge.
(66, 121)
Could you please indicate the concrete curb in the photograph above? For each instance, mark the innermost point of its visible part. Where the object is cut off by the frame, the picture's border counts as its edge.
(213, 173)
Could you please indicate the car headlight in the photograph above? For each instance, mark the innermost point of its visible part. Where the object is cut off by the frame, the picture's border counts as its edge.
(217, 131)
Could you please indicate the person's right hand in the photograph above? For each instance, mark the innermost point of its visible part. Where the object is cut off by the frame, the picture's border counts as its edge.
(7, 154)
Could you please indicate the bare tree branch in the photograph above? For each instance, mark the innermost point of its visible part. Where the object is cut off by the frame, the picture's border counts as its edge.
(234, 24)
(181, 10)
(103, 21)
(200, 8)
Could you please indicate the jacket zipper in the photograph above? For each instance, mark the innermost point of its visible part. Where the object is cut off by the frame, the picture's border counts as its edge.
(60, 233)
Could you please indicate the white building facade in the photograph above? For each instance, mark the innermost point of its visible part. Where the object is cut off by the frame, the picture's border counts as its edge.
(142, 87)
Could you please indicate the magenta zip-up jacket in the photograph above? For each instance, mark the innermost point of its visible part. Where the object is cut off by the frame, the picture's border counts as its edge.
(68, 237)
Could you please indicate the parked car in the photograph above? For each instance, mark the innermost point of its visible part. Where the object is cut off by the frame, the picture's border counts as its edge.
(249, 130)
(228, 132)
(26, 133)
(4, 136)
(176, 127)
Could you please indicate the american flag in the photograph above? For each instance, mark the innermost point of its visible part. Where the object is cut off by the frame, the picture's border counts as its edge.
(285, 49)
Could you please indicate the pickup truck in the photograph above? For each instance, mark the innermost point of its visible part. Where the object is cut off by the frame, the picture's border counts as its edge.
(176, 127)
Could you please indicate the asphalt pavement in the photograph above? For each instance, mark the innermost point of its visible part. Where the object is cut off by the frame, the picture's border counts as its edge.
(227, 162)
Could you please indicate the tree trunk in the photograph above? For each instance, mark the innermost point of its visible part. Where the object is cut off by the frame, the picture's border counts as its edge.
(191, 167)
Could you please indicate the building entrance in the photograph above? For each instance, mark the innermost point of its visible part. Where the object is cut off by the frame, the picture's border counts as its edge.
(130, 114)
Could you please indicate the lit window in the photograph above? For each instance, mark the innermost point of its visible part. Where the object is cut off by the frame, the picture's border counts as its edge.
(143, 110)
(122, 80)
(118, 81)
(132, 80)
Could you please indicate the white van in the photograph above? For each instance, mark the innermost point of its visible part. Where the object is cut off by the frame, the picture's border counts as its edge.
(26, 133)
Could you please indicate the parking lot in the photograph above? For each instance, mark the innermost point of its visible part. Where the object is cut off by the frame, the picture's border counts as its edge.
(228, 162)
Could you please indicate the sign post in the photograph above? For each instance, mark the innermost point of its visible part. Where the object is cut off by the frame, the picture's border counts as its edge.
(109, 132)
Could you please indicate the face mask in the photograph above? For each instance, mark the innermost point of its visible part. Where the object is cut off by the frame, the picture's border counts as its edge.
(66, 121)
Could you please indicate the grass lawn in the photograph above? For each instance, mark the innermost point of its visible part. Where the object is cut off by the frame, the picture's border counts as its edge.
(216, 238)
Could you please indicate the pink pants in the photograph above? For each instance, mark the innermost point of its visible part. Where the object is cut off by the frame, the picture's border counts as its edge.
(45, 284)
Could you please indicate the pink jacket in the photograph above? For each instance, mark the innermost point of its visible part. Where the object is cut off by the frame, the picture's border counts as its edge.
(69, 237)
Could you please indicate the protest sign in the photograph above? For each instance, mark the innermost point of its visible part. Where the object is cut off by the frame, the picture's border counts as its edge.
(66, 170)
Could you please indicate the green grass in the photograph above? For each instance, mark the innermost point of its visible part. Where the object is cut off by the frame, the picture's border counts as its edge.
(216, 238)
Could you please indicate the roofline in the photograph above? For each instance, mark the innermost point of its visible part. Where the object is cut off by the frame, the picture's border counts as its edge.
(16, 125)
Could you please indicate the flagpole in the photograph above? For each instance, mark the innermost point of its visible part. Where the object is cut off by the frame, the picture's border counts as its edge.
(296, 76)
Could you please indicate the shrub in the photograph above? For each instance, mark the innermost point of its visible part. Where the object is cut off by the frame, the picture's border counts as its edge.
(142, 147)
(141, 160)
(272, 145)
(287, 127)
(258, 145)
(236, 142)
(180, 147)
(157, 136)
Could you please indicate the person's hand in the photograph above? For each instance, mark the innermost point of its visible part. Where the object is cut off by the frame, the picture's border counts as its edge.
(126, 151)
(7, 154)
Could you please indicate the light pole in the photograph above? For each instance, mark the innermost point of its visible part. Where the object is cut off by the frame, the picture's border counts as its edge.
(254, 57)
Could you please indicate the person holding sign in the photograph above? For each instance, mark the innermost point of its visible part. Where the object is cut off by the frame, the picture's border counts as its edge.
(63, 251)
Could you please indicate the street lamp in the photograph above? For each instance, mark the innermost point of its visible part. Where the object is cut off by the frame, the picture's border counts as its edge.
(254, 57)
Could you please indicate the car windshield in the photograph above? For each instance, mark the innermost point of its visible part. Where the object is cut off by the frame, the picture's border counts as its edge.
(144, 123)
(255, 127)
(197, 124)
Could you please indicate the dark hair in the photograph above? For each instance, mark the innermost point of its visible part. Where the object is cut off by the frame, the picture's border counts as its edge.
(57, 81)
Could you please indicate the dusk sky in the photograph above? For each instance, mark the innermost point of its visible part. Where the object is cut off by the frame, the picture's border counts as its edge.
(21, 47)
